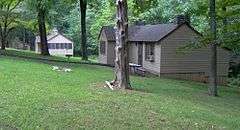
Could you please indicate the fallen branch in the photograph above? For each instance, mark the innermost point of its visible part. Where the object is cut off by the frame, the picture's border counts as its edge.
(109, 85)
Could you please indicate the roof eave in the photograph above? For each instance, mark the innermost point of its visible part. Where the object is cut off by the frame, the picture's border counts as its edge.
(180, 25)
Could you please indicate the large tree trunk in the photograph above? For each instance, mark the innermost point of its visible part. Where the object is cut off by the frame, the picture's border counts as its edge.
(122, 61)
(4, 36)
(43, 33)
(83, 8)
(213, 55)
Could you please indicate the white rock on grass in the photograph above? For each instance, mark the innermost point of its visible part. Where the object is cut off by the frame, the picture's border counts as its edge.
(55, 68)
(67, 70)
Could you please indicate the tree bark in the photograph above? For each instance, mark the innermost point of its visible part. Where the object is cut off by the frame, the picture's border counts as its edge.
(3, 43)
(122, 80)
(83, 8)
(3, 38)
(213, 54)
(43, 33)
(4, 34)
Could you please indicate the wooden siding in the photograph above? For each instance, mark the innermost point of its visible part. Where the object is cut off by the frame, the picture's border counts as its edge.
(111, 53)
(109, 56)
(197, 77)
(196, 61)
(133, 53)
(103, 58)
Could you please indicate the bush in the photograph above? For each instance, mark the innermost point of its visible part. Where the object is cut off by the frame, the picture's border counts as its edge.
(234, 82)
(234, 70)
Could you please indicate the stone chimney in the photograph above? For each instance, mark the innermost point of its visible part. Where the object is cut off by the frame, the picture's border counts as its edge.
(180, 19)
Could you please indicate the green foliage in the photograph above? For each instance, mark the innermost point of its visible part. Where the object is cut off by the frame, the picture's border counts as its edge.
(33, 55)
(36, 5)
(234, 82)
(9, 15)
(230, 31)
(65, 15)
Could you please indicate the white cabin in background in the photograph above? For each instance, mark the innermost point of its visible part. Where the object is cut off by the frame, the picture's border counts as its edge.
(58, 44)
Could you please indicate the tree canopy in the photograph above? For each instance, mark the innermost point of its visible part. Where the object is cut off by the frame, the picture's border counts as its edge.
(65, 16)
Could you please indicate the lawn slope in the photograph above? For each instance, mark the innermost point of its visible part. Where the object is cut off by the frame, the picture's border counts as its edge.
(32, 96)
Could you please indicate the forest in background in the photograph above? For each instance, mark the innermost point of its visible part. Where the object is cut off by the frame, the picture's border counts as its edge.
(65, 16)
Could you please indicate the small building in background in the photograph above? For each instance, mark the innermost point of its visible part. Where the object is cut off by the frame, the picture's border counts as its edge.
(58, 44)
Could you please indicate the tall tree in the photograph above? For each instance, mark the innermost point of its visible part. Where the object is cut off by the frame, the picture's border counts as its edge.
(122, 80)
(83, 8)
(8, 19)
(42, 27)
(42, 8)
(213, 56)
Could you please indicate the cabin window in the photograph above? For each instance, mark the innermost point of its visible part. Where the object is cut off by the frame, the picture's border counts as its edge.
(65, 45)
(49, 46)
(70, 46)
(57, 46)
(53, 46)
(149, 52)
(102, 48)
(62, 45)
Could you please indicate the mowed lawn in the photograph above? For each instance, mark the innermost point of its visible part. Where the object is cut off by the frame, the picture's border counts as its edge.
(33, 96)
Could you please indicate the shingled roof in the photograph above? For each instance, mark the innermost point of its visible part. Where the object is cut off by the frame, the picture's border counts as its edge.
(52, 36)
(145, 33)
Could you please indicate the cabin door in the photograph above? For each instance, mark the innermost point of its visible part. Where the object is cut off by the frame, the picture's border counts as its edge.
(140, 53)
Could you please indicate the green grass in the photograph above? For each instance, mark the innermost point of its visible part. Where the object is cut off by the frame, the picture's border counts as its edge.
(32, 54)
(32, 96)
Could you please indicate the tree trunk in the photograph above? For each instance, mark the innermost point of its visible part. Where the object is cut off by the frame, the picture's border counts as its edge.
(43, 33)
(4, 36)
(83, 8)
(122, 61)
(3, 43)
(213, 55)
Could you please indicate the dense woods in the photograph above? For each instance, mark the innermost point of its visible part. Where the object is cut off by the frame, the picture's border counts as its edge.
(66, 16)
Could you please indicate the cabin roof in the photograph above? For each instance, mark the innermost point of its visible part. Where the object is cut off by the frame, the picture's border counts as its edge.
(56, 38)
(146, 33)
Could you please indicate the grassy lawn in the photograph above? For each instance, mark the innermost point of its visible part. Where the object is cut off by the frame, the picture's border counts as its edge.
(32, 54)
(33, 96)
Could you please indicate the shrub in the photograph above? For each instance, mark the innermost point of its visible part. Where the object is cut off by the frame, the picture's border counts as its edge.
(234, 82)
(234, 70)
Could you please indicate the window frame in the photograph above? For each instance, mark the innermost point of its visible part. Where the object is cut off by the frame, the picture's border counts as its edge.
(58, 46)
(62, 46)
(150, 52)
(53, 46)
(70, 46)
(103, 47)
(49, 45)
(65, 46)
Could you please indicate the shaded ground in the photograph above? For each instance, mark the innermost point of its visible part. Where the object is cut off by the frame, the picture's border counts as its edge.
(32, 96)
